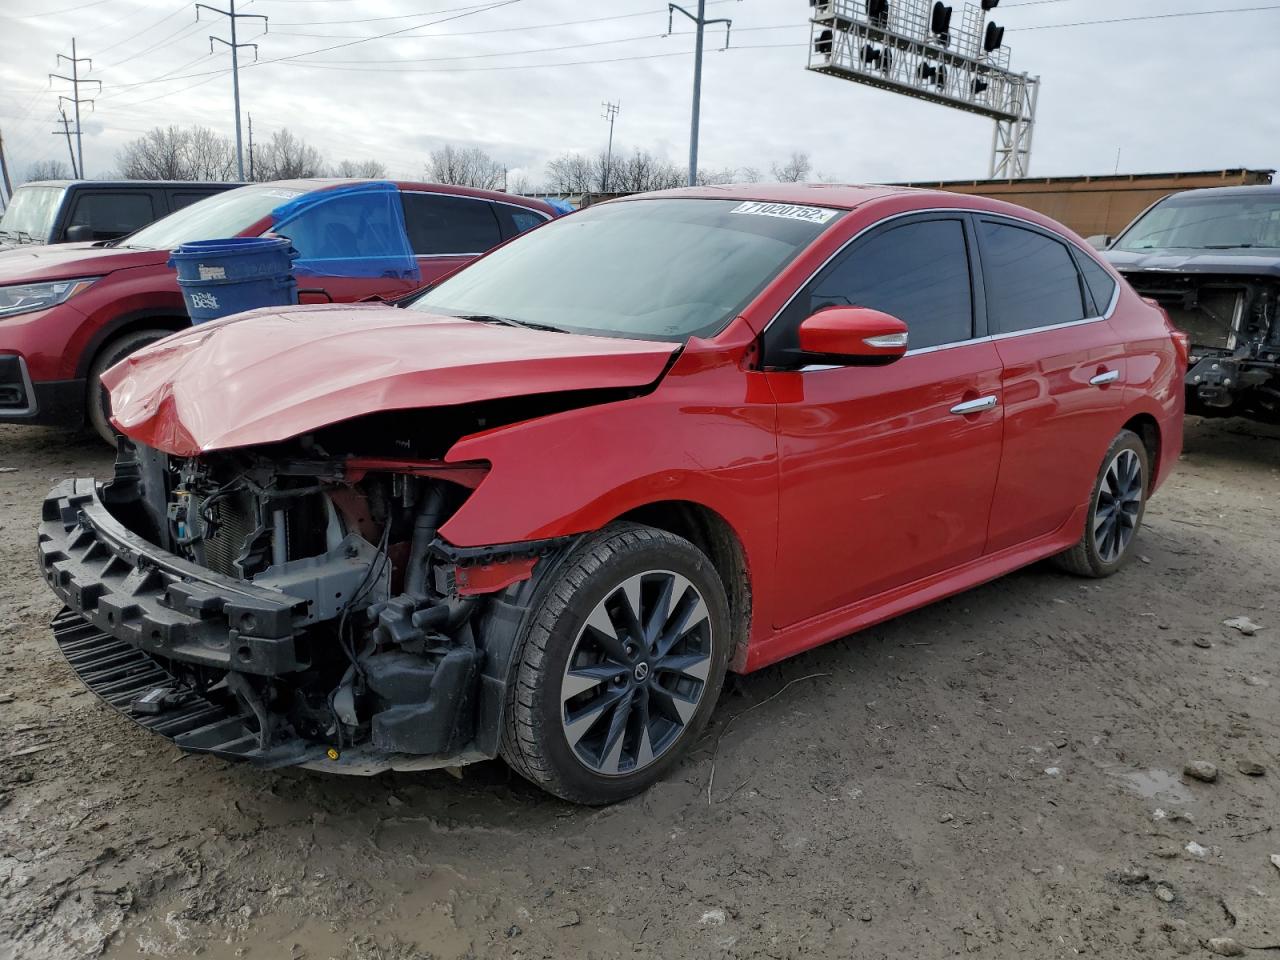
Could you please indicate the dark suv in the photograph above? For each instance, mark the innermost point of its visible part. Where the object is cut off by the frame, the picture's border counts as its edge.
(1211, 258)
(71, 211)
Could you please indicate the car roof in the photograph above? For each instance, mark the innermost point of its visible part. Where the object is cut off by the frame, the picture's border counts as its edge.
(839, 195)
(138, 184)
(1213, 193)
(330, 183)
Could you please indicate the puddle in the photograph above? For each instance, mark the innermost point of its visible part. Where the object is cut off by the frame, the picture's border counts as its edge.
(1154, 784)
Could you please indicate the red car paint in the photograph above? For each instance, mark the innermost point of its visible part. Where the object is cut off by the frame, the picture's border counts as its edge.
(139, 291)
(281, 373)
(855, 493)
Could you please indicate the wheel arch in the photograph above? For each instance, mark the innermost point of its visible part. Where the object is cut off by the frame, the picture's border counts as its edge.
(1147, 427)
(159, 318)
(503, 619)
(713, 535)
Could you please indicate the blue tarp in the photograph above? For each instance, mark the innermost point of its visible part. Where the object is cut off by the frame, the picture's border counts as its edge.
(560, 206)
(355, 231)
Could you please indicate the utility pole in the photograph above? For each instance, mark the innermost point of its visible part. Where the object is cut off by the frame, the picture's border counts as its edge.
(66, 131)
(4, 173)
(75, 99)
(235, 46)
(251, 147)
(701, 22)
(610, 111)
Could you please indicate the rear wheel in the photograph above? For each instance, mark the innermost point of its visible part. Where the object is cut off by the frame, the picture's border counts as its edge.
(1116, 506)
(97, 401)
(619, 668)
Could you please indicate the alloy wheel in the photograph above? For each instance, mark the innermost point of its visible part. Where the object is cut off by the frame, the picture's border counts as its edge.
(1119, 504)
(636, 673)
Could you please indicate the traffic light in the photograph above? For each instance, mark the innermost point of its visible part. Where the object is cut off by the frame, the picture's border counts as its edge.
(990, 4)
(993, 39)
(878, 13)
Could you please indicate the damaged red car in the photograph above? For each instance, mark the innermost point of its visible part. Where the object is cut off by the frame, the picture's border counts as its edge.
(540, 512)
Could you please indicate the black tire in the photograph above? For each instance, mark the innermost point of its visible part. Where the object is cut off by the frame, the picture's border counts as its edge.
(1094, 555)
(537, 721)
(97, 402)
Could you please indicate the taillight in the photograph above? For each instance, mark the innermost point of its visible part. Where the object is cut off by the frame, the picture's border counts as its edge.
(1182, 343)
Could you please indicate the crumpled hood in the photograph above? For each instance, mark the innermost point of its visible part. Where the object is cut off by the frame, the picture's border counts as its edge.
(62, 261)
(268, 375)
(1244, 262)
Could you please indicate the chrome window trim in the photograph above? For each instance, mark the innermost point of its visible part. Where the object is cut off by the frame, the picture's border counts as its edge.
(1111, 308)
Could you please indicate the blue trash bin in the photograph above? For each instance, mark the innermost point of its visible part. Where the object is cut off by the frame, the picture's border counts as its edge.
(222, 277)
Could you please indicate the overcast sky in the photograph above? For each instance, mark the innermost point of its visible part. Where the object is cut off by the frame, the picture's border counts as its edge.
(1174, 94)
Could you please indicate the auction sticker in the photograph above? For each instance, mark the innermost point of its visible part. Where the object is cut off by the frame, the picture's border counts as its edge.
(787, 211)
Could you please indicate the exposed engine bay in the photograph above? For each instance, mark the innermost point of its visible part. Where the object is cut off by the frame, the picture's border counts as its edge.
(286, 608)
(1234, 324)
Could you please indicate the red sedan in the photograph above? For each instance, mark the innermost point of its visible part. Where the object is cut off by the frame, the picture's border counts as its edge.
(540, 512)
(70, 311)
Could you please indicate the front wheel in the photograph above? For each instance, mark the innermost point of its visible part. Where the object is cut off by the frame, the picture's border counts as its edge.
(97, 400)
(619, 667)
(1116, 506)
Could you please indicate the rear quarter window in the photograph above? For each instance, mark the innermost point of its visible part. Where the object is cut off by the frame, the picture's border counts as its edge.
(1102, 286)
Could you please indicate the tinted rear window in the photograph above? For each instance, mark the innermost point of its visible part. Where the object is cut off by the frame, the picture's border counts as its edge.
(1031, 280)
(440, 225)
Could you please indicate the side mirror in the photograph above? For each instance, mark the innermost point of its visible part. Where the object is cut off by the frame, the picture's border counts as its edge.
(80, 233)
(1099, 241)
(852, 336)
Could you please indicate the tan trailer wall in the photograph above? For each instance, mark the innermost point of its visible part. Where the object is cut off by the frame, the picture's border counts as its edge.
(1092, 205)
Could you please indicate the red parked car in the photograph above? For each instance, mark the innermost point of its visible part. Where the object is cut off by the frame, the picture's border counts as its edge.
(542, 510)
(71, 311)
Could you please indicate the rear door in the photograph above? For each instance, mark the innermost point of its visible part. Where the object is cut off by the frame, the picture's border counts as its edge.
(887, 473)
(1063, 381)
(447, 231)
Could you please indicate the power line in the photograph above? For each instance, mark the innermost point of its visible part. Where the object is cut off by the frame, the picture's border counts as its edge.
(1150, 16)
(399, 16)
(183, 31)
(134, 36)
(52, 13)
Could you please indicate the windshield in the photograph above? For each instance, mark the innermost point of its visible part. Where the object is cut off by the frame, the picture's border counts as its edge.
(649, 269)
(222, 215)
(1187, 222)
(29, 216)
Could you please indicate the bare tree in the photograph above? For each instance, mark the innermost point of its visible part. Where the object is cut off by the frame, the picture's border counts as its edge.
(794, 170)
(285, 157)
(711, 178)
(48, 170)
(642, 171)
(360, 169)
(520, 185)
(571, 173)
(177, 153)
(466, 167)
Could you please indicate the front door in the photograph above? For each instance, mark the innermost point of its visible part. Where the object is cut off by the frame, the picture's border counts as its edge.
(887, 473)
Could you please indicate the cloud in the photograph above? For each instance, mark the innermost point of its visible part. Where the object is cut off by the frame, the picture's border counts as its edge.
(1133, 87)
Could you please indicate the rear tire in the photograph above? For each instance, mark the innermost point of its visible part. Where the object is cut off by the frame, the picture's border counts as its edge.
(619, 666)
(97, 402)
(1116, 506)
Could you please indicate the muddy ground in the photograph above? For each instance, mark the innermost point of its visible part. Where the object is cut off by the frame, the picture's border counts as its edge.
(999, 774)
